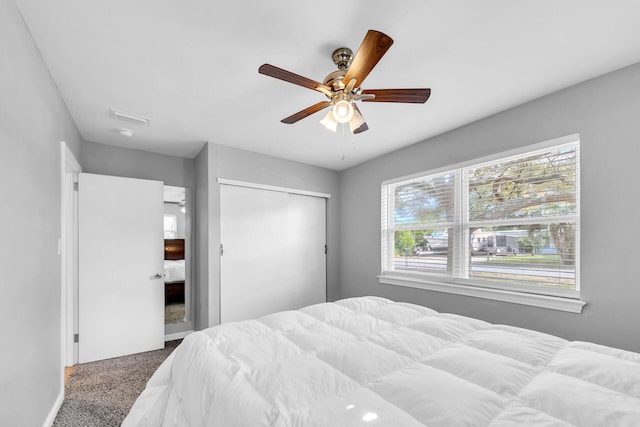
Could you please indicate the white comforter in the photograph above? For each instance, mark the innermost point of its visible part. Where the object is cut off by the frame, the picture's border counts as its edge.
(372, 362)
(174, 271)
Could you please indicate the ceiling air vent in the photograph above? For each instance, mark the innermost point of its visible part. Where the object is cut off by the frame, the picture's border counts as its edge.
(142, 121)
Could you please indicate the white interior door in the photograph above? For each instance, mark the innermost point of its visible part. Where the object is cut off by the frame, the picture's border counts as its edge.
(273, 252)
(121, 297)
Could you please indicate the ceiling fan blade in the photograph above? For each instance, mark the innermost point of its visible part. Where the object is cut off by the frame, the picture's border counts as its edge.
(414, 96)
(372, 49)
(288, 76)
(306, 112)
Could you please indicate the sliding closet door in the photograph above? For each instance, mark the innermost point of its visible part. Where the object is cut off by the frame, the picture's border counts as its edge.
(273, 252)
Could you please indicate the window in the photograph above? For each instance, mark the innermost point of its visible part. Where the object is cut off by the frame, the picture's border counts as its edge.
(492, 227)
(170, 226)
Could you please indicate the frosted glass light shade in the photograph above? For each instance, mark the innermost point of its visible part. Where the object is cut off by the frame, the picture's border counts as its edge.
(329, 122)
(356, 121)
(342, 111)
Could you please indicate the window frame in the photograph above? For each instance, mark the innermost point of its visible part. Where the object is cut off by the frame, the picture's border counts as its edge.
(539, 296)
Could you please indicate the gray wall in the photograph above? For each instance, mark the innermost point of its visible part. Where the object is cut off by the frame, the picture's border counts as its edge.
(605, 111)
(212, 162)
(33, 121)
(117, 161)
(230, 163)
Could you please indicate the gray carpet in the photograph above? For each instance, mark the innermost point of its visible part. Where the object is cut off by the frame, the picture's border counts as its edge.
(174, 313)
(100, 394)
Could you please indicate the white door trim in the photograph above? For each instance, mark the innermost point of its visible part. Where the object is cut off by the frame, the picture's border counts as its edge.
(69, 167)
(272, 188)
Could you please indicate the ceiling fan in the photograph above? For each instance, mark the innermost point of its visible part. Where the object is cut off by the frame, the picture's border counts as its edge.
(344, 86)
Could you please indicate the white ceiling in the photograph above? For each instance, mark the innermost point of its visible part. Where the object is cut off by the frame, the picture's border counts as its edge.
(192, 67)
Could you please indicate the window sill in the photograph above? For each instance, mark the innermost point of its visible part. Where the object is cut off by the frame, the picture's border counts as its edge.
(570, 305)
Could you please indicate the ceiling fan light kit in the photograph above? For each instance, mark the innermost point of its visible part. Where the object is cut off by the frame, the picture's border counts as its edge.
(343, 87)
(356, 122)
(329, 122)
(342, 111)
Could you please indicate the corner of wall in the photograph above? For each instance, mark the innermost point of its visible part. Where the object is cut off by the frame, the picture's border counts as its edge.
(201, 231)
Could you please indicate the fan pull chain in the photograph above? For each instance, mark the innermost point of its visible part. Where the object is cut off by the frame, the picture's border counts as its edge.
(342, 126)
(353, 141)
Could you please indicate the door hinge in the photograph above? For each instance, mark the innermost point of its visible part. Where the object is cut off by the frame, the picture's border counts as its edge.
(325, 249)
(76, 338)
(221, 249)
(75, 186)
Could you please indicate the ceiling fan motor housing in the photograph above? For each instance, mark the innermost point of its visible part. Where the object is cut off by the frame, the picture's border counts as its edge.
(335, 80)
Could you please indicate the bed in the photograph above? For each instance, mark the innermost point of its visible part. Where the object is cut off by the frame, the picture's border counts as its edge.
(370, 361)
(174, 271)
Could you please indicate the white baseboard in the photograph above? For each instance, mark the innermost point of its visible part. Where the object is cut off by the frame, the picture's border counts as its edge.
(54, 410)
(176, 336)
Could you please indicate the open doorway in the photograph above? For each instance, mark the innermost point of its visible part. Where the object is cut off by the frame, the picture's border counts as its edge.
(177, 262)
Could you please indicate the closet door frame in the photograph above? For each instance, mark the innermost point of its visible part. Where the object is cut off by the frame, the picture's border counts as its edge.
(224, 181)
(230, 314)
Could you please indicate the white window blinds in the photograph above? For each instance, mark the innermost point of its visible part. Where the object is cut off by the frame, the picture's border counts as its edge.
(510, 221)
